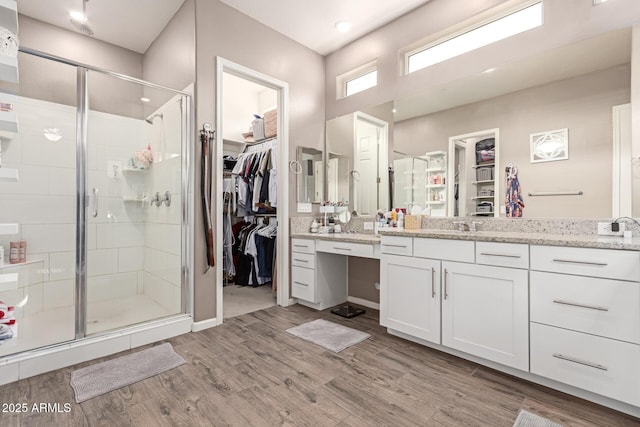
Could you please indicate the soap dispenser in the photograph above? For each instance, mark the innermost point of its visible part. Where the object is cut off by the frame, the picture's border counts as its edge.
(314, 226)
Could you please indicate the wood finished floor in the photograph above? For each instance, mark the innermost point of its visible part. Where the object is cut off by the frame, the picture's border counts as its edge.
(250, 372)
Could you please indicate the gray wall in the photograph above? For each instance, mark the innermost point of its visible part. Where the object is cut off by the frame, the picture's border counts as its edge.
(635, 116)
(563, 104)
(50, 81)
(171, 59)
(223, 31)
(566, 21)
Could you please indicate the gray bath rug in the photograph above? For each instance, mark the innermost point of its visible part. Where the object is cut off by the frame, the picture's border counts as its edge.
(527, 419)
(329, 335)
(113, 374)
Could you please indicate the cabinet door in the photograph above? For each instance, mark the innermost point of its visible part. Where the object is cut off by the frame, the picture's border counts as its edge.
(485, 312)
(410, 296)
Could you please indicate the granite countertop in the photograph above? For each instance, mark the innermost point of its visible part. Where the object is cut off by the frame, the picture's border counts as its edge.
(579, 241)
(371, 239)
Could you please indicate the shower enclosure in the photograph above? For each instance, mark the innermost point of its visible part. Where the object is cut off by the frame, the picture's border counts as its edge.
(101, 200)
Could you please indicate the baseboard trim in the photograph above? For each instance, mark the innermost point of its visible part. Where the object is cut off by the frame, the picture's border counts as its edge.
(204, 324)
(364, 303)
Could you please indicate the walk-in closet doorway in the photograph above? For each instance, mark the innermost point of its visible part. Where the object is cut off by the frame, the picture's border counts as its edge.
(278, 147)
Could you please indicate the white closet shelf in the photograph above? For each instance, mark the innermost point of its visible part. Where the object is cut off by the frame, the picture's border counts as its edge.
(487, 181)
(8, 124)
(435, 170)
(8, 282)
(436, 186)
(8, 175)
(486, 165)
(8, 68)
(9, 229)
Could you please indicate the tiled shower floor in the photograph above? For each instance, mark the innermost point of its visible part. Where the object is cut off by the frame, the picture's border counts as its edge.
(56, 326)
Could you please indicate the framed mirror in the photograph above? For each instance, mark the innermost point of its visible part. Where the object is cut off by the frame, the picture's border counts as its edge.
(583, 88)
(310, 175)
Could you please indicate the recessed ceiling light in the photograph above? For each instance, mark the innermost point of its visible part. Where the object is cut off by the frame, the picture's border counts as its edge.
(343, 26)
(489, 70)
(597, 2)
(394, 110)
(143, 99)
(78, 16)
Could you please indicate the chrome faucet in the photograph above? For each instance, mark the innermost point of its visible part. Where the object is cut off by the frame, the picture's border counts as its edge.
(462, 225)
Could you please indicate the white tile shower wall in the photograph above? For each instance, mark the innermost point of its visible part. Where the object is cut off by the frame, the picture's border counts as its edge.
(162, 239)
(43, 203)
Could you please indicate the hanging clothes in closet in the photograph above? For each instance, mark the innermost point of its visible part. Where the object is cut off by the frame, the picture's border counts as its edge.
(254, 250)
(255, 179)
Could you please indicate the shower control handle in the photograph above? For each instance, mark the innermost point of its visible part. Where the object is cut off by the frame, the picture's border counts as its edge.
(95, 203)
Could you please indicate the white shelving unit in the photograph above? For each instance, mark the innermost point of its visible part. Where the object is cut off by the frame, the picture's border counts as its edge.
(8, 282)
(9, 20)
(8, 125)
(134, 170)
(436, 182)
(8, 229)
(8, 175)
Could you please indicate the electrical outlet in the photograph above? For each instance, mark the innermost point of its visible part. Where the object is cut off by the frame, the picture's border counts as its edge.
(604, 229)
(368, 226)
(304, 207)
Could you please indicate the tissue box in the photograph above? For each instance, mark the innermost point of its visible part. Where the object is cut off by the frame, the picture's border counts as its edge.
(412, 222)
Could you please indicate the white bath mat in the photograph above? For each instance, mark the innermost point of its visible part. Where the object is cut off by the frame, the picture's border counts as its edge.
(329, 335)
(113, 374)
(527, 419)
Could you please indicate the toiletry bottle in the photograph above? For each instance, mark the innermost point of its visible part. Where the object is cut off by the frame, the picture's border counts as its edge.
(14, 249)
(394, 218)
(400, 219)
(22, 251)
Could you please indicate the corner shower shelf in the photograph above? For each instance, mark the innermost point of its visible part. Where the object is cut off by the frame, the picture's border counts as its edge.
(436, 186)
(8, 229)
(134, 170)
(8, 124)
(8, 282)
(134, 199)
(8, 175)
(9, 15)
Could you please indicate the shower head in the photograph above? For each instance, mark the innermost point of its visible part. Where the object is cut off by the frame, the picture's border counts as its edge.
(151, 117)
(80, 21)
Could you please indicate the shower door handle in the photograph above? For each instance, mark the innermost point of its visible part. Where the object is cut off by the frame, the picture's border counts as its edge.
(95, 203)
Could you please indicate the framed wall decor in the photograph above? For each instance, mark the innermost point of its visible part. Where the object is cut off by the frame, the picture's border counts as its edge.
(549, 146)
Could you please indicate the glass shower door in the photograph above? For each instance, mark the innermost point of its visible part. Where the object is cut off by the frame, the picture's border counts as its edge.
(37, 206)
(134, 246)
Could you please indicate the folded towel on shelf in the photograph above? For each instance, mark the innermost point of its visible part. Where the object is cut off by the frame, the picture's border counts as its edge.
(5, 332)
(5, 310)
(9, 320)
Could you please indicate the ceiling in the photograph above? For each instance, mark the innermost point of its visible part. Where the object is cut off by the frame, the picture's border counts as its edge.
(312, 23)
(131, 24)
(134, 24)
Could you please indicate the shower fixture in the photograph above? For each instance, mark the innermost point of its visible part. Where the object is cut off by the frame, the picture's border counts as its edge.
(79, 20)
(151, 117)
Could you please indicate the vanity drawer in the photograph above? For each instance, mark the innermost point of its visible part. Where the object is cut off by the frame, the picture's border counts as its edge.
(396, 245)
(350, 249)
(300, 259)
(514, 255)
(444, 249)
(601, 365)
(607, 263)
(609, 308)
(303, 245)
(303, 284)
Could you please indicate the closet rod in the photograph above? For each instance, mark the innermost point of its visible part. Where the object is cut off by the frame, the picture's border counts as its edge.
(558, 193)
(261, 145)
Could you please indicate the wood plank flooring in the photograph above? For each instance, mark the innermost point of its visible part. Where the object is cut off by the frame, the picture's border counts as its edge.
(250, 372)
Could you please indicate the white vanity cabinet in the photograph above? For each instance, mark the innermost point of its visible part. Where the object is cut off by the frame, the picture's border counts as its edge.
(485, 312)
(585, 319)
(410, 296)
(303, 272)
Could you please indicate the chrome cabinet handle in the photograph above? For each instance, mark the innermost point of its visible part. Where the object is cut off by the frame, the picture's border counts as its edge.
(300, 260)
(394, 246)
(301, 246)
(95, 203)
(574, 304)
(342, 249)
(570, 261)
(446, 293)
(500, 255)
(580, 362)
(300, 283)
(433, 282)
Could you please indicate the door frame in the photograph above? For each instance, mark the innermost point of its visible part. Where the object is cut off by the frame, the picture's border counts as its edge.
(282, 246)
(383, 155)
(622, 172)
